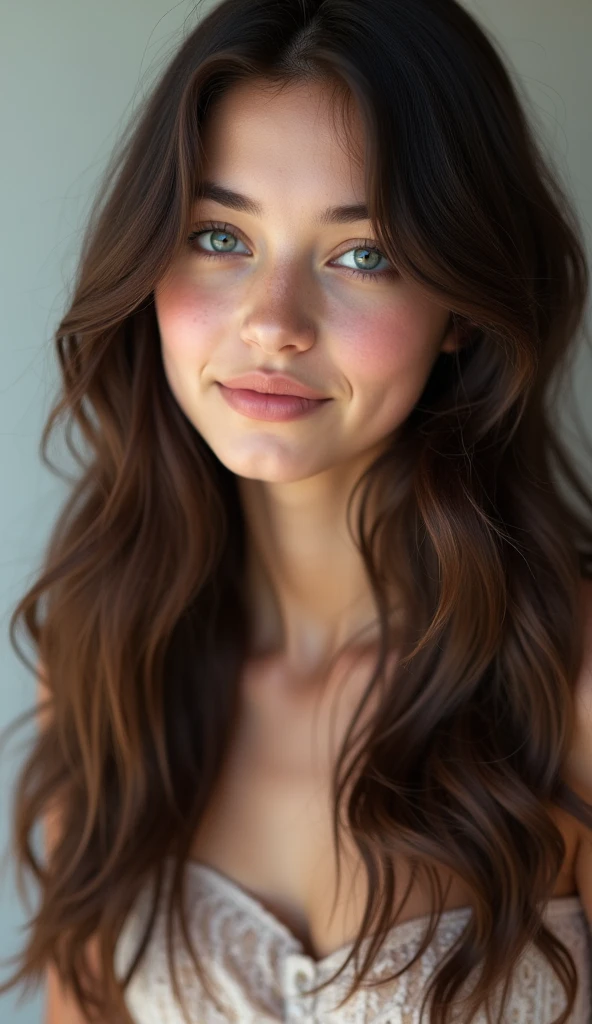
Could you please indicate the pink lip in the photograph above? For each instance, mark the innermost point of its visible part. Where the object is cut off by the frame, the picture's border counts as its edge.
(273, 384)
(258, 405)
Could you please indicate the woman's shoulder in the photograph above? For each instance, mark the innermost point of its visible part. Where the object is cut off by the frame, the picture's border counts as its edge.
(580, 754)
(578, 768)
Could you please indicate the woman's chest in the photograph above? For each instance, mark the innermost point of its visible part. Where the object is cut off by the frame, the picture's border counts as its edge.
(268, 823)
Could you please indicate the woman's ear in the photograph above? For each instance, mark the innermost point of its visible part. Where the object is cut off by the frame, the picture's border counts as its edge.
(456, 335)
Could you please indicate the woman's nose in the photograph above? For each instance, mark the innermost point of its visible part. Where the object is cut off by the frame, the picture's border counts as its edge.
(278, 312)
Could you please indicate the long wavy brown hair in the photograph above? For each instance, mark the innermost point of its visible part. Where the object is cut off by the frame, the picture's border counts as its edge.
(137, 616)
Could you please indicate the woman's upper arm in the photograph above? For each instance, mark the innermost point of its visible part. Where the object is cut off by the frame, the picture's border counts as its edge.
(60, 1006)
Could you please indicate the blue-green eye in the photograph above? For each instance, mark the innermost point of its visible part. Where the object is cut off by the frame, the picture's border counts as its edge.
(370, 255)
(225, 244)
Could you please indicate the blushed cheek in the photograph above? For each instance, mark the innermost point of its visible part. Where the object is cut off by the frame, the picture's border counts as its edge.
(387, 357)
(189, 319)
(376, 346)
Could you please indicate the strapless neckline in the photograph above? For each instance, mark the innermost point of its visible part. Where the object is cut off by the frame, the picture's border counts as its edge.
(555, 907)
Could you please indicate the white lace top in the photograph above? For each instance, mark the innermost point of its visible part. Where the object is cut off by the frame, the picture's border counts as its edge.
(263, 973)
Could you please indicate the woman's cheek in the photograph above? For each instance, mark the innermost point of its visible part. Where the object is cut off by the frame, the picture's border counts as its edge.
(189, 319)
(376, 345)
(387, 356)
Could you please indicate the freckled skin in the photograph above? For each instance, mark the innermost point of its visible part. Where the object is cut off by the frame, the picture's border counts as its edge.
(282, 301)
(369, 344)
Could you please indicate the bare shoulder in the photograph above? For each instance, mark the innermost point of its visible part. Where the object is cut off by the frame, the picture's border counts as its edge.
(578, 768)
(579, 764)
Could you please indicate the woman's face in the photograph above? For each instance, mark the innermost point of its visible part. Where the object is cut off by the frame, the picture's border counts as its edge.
(280, 293)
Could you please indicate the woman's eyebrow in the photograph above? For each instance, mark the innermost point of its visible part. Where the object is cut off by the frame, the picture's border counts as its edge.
(346, 213)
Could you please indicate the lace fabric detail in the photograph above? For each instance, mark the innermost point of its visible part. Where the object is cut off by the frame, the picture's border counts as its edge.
(263, 973)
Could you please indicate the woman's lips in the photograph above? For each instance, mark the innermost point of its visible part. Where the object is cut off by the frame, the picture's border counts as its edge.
(270, 382)
(258, 405)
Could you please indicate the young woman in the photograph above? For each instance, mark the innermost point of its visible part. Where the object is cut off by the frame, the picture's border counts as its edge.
(315, 654)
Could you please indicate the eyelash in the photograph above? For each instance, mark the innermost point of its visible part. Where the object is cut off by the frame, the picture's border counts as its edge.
(218, 226)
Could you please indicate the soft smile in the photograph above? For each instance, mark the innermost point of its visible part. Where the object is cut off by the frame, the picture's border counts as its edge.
(259, 405)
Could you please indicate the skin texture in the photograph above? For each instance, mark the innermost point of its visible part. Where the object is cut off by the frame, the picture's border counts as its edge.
(286, 300)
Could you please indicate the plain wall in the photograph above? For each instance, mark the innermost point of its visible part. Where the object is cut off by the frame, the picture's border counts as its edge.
(70, 73)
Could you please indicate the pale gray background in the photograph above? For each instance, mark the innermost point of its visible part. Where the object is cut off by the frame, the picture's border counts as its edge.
(70, 73)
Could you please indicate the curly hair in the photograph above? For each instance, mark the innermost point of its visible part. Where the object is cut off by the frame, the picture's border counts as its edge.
(137, 614)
